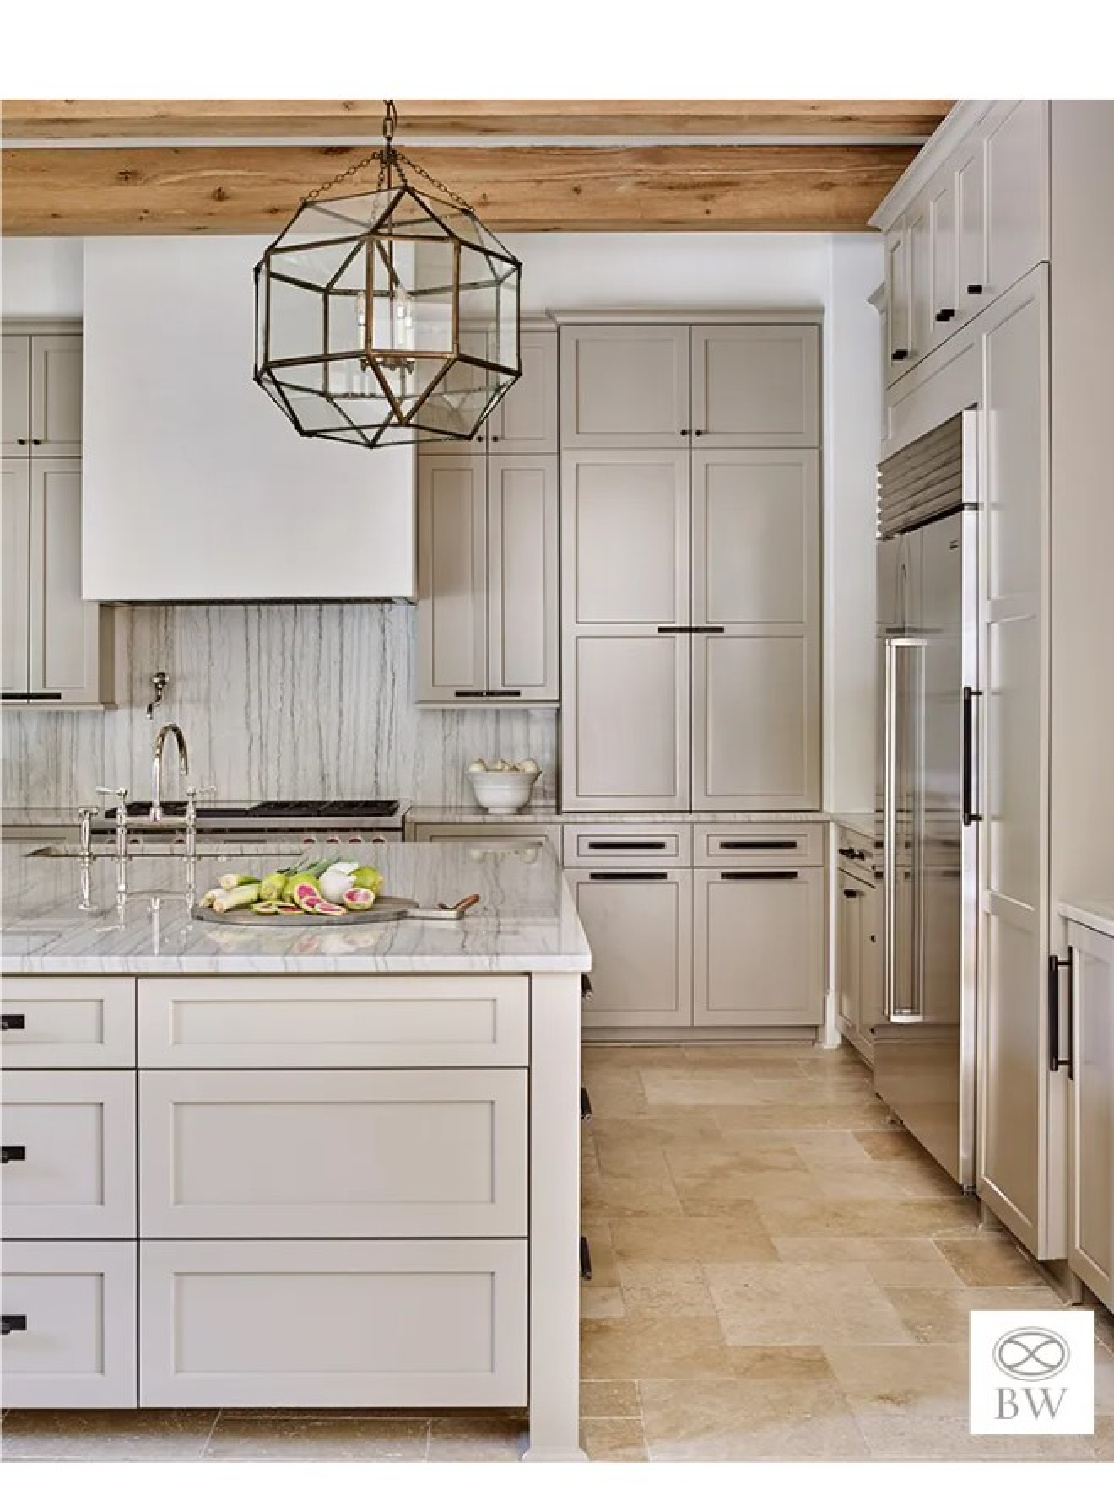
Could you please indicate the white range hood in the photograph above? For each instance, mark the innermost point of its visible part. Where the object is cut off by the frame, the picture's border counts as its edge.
(195, 486)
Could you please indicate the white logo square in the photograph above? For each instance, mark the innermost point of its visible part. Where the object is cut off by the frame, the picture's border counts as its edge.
(1032, 1373)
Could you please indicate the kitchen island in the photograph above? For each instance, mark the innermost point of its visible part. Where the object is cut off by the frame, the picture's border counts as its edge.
(298, 1167)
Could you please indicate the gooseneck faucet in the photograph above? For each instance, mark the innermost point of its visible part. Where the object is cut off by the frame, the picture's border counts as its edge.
(156, 766)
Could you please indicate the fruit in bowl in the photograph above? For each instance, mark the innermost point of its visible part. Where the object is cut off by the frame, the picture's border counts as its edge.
(503, 787)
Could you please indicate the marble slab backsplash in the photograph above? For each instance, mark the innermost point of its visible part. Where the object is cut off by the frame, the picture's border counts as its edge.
(275, 700)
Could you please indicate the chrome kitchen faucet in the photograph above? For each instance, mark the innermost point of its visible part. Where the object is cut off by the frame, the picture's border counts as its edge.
(156, 766)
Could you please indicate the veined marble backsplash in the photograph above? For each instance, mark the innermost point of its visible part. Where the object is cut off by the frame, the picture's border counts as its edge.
(275, 700)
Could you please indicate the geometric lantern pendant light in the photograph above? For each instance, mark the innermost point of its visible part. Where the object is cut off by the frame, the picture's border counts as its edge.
(387, 315)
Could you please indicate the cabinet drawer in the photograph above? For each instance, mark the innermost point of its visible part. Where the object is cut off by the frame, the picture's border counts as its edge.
(388, 1022)
(760, 844)
(490, 835)
(69, 1148)
(68, 1023)
(856, 853)
(322, 1154)
(627, 844)
(76, 1346)
(304, 1323)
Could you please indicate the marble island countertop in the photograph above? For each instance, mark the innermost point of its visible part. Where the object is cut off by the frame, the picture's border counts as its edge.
(526, 920)
(1088, 911)
(543, 812)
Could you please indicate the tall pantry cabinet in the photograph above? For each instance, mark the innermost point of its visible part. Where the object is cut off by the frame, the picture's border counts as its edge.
(690, 547)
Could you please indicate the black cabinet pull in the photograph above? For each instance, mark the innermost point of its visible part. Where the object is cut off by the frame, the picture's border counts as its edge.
(968, 754)
(586, 990)
(851, 894)
(766, 845)
(626, 845)
(487, 693)
(974, 289)
(628, 875)
(686, 432)
(900, 354)
(10, 1022)
(759, 874)
(36, 442)
(585, 1105)
(13, 1323)
(708, 629)
(494, 439)
(699, 432)
(674, 630)
(22, 442)
(585, 1260)
(1055, 1061)
(850, 853)
(32, 697)
(945, 315)
(12, 1153)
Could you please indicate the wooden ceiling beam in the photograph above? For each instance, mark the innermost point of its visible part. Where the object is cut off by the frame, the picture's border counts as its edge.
(240, 190)
(100, 119)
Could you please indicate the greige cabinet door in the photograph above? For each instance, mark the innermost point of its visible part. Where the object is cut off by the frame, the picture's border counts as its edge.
(849, 907)
(523, 649)
(64, 636)
(944, 303)
(870, 964)
(16, 560)
(970, 207)
(639, 927)
(756, 618)
(1019, 1174)
(899, 336)
(56, 377)
(1017, 172)
(525, 421)
(1091, 1231)
(756, 386)
(758, 945)
(625, 386)
(919, 234)
(452, 566)
(15, 380)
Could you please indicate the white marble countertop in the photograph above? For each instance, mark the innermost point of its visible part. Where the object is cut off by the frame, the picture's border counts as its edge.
(526, 920)
(545, 812)
(1089, 912)
(862, 823)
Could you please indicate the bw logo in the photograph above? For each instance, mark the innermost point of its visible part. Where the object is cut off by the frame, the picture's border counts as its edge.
(1035, 1356)
(1032, 1373)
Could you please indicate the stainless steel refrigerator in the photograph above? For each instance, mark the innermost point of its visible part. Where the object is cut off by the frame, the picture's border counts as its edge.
(928, 822)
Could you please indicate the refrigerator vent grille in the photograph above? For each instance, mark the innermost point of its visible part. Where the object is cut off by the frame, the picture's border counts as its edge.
(923, 481)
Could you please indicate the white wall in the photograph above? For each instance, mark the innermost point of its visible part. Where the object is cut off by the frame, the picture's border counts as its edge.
(697, 271)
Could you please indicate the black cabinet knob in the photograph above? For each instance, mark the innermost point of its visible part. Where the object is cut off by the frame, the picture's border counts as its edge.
(13, 1153)
(945, 315)
(10, 1022)
(851, 895)
(686, 431)
(699, 432)
(13, 1323)
(900, 354)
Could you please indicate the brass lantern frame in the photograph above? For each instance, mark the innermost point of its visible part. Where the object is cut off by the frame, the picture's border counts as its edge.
(315, 389)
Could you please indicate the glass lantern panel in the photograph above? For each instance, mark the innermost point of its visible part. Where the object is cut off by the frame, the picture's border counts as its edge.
(346, 322)
(315, 413)
(409, 378)
(295, 321)
(454, 413)
(315, 264)
(412, 296)
(504, 346)
(344, 379)
(478, 303)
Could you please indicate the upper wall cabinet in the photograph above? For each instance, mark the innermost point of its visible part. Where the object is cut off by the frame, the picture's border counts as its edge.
(625, 386)
(42, 395)
(196, 485)
(965, 223)
(525, 421)
(756, 386)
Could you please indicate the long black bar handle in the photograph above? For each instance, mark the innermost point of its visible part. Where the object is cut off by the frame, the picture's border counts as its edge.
(13, 1323)
(627, 845)
(12, 1153)
(585, 1105)
(1055, 1061)
(13, 1021)
(767, 845)
(628, 875)
(31, 697)
(585, 1259)
(969, 814)
(759, 874)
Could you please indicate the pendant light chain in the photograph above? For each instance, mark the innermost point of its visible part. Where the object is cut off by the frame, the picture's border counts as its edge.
(389, 158)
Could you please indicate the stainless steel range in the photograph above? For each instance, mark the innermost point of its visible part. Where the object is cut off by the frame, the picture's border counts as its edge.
(336, 820)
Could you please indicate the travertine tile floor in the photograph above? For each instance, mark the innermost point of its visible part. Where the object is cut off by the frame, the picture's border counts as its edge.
(779, 1273)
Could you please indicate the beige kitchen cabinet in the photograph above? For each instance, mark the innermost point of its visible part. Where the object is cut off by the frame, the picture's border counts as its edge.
(42, 378)
(16, 561)
(1091, 1110)
(494, 836)
(944, 297)
(899, 335)
(970, 231)
(625, 385)
(525, 420)
(487, 579)
(639, 926)
(756, 385)
(858, 959)
(758, 939)
(1017, 191)
(756, 629)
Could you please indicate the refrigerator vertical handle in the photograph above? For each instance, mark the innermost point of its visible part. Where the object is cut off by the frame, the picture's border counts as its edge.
(891, 1011)
(969, 814)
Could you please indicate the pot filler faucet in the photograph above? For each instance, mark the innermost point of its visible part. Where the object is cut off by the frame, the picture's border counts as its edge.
(156, 766)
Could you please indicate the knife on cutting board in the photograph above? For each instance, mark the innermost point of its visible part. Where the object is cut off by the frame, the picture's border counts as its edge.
(444, 913)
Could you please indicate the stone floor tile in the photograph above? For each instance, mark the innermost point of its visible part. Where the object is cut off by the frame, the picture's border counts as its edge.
(318, 1438)
(842, 1249)
(640, 1346)
(990, 1260)
(609, 1398)
(666, 1289)
(744, 1420)
(804, 1115)
(111, 1436)
(803, 1304)
(740, 1239)
(478, 1437)
(868, 1218)
(601, 1301)
(779, 1362)
(935, 1316)
(613, 1439)
(894, 1144)
(901, 1375)
(911, 1435)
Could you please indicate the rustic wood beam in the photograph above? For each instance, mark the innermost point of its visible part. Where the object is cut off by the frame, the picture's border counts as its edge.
(239, 190)
(100, 119)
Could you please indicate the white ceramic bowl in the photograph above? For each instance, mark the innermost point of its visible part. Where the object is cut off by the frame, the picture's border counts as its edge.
(503, 791)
